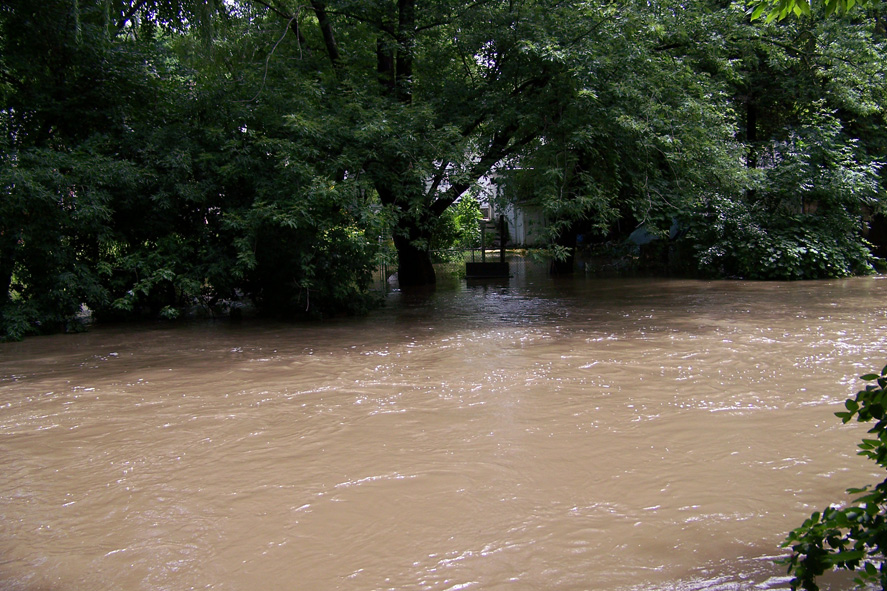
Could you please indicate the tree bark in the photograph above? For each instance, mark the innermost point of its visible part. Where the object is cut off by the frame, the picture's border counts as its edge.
(412, 235)
(326, 29)
(385, 65)
(5, 282)
(406, 39)
(414, 266)
(751, 138)
(751, 132)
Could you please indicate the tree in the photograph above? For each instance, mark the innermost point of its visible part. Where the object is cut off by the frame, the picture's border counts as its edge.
(701, 93)
(62, 81)
(812, 174)
(649, 133)
(133, 182)
(191, 152)
(419, 101)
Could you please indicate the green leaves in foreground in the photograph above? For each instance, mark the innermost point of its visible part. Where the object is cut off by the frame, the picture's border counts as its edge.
(853, 537)
(780, 9)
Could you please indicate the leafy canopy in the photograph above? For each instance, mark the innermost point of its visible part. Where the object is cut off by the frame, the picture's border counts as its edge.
(780, 9)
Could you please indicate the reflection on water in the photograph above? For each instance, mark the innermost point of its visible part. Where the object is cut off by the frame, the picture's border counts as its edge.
(535, 433)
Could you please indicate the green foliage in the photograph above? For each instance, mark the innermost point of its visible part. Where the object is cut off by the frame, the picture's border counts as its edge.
(135, 178)
(852, 537)
(458, 228)
(156, 156)
(304, 253)
(807, 119)
(804, 218)
(735, 240)
(780, 9)
(644, 135)
(53, 214)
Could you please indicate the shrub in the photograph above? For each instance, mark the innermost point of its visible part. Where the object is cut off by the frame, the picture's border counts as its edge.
(853, 537)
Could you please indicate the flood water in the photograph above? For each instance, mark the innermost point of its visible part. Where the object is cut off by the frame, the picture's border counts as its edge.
(538, 433)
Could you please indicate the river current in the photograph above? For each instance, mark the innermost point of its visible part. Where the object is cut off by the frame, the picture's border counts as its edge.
(535, 433)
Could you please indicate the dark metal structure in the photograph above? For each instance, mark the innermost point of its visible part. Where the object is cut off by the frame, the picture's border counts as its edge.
(483, 269)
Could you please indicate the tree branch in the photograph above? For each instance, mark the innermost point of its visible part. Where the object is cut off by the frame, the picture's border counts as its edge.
(500, 148)
(291, 18)
(326, 29)
(451, 18)
(406, 38)
(127, 16)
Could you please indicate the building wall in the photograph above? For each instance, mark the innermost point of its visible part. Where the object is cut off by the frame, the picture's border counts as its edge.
(526, 225)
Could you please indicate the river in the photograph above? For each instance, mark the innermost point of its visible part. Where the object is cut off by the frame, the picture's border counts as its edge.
(537, 433)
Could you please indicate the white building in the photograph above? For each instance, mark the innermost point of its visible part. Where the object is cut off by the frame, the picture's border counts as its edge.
(526, 222)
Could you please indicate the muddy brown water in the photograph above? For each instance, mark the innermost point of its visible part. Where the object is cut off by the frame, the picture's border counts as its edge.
(538, 433)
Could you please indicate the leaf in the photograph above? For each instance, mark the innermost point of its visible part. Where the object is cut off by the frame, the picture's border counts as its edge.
(759, 9)
(856, 491)
(847, 556)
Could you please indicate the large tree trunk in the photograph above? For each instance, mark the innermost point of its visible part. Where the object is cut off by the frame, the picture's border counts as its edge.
(412, 233)
(414, 266)
(7, 264)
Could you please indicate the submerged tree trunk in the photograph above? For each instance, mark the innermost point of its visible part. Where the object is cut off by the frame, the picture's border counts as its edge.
(567, 240)
(5, 283)
(412, 232)
(414, 266)
(7, 264)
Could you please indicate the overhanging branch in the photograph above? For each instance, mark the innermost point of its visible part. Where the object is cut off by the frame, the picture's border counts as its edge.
(502, 146)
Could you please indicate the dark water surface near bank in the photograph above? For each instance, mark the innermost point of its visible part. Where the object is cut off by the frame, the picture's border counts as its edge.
(538, 433)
